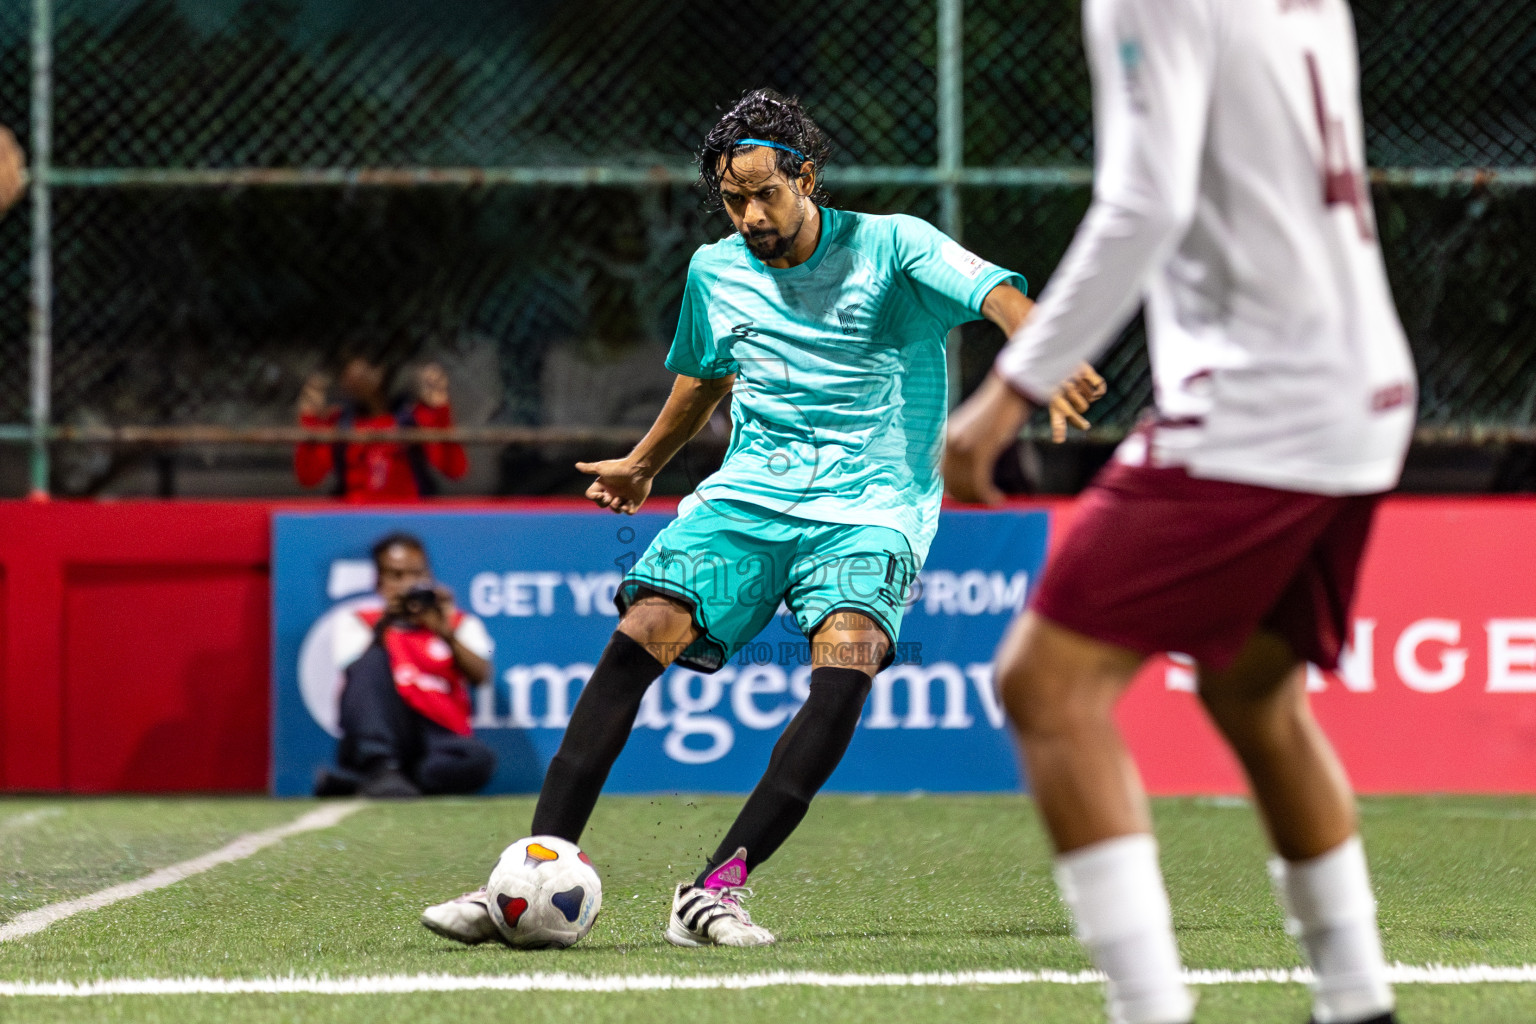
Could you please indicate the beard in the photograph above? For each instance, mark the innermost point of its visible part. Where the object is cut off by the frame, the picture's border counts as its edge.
(770, 244)
(767, 245)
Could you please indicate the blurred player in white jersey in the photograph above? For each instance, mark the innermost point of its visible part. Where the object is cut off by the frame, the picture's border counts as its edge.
(1230, 197)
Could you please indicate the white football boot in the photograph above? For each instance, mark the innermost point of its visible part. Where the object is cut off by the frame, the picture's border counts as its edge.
(465, 919)
(712, 914)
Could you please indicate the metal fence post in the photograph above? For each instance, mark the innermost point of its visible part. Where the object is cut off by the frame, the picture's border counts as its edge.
(951, 132)
(42, 255)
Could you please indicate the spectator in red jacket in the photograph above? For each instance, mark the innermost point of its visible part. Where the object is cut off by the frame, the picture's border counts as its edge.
(377, 471)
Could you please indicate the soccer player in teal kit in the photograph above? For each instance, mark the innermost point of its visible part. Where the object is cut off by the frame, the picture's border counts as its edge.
(828, 329)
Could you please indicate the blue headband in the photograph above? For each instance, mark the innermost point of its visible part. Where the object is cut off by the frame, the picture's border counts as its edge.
(776, 145)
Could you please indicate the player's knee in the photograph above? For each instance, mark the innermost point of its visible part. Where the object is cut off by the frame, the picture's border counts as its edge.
(1052, 683)
(1254, 723)
(849, 640)
(662, 625)
(1042, 700)
(1034, 707)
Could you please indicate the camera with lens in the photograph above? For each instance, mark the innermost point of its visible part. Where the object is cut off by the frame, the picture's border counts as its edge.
(422, 597)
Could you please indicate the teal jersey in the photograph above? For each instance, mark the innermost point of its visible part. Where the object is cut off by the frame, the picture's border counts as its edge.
(841, 387)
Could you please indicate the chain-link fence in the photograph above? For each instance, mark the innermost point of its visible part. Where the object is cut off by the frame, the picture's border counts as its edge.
(239, 189)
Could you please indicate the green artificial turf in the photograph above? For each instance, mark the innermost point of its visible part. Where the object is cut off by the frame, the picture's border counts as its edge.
(60, 849)
(867, 885)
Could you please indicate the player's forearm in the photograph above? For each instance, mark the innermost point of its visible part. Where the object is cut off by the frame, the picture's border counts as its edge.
(475, 668)
(1007, 307)
(688, 408)
(1091, 297)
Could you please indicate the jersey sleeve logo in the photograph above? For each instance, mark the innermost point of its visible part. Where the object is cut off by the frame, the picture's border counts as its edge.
(965, 262)
(1132, 59)
(744, 330)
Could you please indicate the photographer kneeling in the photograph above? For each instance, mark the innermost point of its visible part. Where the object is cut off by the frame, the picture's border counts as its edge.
(405, 707)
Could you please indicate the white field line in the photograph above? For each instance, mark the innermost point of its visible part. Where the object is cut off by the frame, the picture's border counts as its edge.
(25, 818)
(392, 984)
(1492, 815)
(34, 921)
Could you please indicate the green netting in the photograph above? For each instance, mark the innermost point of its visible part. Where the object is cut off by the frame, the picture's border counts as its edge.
(15, 228)
(195, 305)
(277, 83)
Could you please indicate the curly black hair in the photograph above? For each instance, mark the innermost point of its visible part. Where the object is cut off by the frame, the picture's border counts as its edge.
(764, 114)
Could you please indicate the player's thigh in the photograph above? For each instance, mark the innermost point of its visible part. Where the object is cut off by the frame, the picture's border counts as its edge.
(725, 563)
(848, 588)
(849, 639)
(1266, 680)
(653, 618)
(1049, 676)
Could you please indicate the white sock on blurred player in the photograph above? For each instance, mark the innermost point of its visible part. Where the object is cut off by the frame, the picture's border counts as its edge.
(1115, 890)
(1330, 911)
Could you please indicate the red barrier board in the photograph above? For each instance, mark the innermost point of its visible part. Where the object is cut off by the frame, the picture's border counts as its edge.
(1438, 692)
(133, 646)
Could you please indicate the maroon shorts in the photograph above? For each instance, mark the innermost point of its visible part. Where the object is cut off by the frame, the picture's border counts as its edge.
(1157, 560)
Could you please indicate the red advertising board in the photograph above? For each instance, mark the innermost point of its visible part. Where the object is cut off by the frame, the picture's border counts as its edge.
(1438, 693)
(134, 654)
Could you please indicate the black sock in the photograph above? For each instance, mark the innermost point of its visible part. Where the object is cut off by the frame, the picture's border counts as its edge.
(600, 724)
(802, 761)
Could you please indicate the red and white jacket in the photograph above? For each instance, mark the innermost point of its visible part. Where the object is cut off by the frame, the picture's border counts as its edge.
(425, 674)
(377, 471)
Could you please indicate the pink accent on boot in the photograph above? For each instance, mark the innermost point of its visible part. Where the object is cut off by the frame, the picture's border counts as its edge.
(730, 875)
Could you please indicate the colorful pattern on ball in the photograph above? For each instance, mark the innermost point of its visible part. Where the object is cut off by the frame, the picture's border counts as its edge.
(545, 893)
(512, 908)
(537, 854)
(569, 902)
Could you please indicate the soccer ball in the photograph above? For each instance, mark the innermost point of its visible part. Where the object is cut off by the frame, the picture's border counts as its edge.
(544, 893)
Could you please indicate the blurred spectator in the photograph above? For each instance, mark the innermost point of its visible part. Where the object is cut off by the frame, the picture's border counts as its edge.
(377, 470)
(409, 661)
(13, 169)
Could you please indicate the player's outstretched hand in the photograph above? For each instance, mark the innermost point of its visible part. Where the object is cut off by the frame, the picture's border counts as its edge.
(620, 485)
(13, 169)
(1072, 398)
(979, 431)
